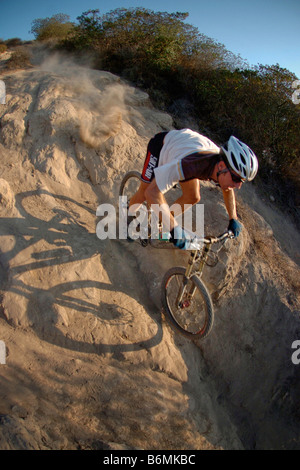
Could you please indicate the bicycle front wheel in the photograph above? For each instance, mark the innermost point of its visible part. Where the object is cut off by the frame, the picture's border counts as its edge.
(187, 304)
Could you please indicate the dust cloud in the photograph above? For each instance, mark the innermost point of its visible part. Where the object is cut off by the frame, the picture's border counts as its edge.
(100, 113)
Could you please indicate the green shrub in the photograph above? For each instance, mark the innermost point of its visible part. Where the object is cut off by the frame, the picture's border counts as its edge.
(13, 42)
(56, 27)
(19, 59)
(3, 48)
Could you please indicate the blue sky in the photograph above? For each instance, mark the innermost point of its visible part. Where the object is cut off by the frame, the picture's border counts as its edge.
(261, 31)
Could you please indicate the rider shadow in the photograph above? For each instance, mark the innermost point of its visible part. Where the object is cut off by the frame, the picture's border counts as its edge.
(73, 242)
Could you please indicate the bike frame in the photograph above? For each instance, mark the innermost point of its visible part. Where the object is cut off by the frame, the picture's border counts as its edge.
(200, 255)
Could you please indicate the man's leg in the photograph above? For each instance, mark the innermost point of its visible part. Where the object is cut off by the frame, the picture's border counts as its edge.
(190, 195)
(138, 198)
(151, 162)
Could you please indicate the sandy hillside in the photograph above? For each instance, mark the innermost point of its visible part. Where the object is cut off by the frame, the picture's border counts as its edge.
(91, 363)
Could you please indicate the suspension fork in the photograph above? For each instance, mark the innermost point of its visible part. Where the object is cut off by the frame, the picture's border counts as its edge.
(193, 258)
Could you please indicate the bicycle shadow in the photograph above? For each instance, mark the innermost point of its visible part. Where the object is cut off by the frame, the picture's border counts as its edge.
(68, 239)
(30, 229)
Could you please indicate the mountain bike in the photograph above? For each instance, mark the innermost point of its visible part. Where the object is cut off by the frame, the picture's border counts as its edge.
(186, 301)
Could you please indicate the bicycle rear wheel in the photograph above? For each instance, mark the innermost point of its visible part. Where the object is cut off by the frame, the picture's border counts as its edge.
(193, 316)
(129, 186)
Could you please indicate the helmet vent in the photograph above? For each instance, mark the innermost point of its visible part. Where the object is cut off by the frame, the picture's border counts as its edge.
(243, 159)
(234, 161)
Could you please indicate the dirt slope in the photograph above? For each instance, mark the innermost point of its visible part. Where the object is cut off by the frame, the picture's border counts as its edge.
(90, 361)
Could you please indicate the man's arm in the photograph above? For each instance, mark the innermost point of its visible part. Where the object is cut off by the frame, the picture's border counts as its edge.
(230, 203)
(234, 225)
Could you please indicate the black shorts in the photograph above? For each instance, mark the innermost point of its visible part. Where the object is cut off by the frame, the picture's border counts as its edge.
(153, 151)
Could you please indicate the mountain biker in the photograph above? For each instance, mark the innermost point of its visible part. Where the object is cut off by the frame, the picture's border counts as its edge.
(188, 157)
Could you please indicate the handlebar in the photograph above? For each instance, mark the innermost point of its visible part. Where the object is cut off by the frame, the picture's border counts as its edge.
(219, 238)
(197, 243)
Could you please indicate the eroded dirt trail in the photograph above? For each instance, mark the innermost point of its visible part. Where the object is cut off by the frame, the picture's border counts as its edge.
(90, 361)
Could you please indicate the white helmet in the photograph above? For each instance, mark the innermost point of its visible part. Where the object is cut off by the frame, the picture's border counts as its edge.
(241, 158)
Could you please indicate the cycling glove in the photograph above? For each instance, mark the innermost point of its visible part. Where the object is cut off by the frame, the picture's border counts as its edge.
(235, 226)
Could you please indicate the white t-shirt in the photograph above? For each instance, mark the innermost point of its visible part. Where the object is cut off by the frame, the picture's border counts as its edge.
(177, 145)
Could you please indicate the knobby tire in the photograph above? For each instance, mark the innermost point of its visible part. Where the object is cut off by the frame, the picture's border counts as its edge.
(202, 311)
